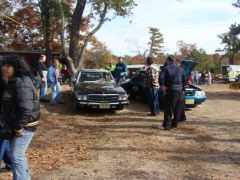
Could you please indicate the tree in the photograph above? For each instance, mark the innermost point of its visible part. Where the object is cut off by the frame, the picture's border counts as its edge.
(232, 44)
(6, 7)
(100, 7)
(23, 29)
(98, 55)
(185, 49)
(236, 30)
(203, 59)
(141, 52)
(156, 41)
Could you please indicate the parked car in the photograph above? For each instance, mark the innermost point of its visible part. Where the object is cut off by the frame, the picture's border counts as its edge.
(97, 89)
(193, 96)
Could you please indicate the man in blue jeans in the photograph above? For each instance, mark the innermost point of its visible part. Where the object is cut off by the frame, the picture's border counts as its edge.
(54, 79)
(41, 75)
(152, 85)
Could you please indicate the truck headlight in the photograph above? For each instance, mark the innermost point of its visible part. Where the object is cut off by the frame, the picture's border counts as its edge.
(122, 97)
(199, 93)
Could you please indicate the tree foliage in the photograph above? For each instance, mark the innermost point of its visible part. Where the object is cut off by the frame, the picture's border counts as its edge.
(185, 49)
(98, 56)
(203, 59)
(236, 30)
(100, 8)
(232, 44)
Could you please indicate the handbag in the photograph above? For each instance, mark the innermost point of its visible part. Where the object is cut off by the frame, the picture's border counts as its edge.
(5, 133)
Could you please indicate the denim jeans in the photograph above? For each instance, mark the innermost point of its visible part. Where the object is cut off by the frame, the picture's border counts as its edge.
(117, 80)
(153, 100)
(19, 145)
(43, 86)
(56, 93)
(5, 154)
(43, 91)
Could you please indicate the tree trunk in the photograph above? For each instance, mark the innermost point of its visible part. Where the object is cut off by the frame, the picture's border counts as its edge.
(80, 57)
(48, 50)
(46, 29)
(75, 30)
(68, 59)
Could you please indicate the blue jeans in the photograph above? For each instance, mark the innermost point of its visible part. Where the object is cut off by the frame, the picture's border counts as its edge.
(153, 100)
(43, 90)
(56, 93)
(19, 145)
(117, 80)
(5, 154)
(196, 82)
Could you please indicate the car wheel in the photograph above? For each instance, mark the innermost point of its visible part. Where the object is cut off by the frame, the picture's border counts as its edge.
(76, 106)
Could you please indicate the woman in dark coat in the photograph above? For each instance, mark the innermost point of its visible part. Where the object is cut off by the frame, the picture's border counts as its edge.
(20, 111)
(5, 154)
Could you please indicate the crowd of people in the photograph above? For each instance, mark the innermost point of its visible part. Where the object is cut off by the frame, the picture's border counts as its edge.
(20, 104)
(53, 77)
(197, 78)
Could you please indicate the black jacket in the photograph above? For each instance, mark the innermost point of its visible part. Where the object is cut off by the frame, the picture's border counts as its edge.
(40, 66)
(173, 77)
(20, 104)
(3, 84)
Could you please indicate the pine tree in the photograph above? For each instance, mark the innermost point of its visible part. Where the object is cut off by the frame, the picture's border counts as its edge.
(156, 41)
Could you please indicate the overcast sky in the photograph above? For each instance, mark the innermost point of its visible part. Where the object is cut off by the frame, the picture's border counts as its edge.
(193, 21)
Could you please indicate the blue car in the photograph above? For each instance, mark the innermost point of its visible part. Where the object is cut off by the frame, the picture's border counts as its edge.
(194, 95)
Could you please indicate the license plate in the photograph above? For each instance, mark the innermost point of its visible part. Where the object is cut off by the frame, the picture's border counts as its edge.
(104, 106)
(189, 101)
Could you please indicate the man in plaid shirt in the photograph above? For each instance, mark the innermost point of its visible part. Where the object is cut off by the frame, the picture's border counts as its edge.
(152, 85)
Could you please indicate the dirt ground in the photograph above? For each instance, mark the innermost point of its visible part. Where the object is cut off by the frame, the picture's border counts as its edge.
(126, 144)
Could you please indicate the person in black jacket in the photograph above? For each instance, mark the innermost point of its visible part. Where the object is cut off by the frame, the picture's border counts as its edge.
(20, 111)
(5, 153)
(173, 82)
(41, 76)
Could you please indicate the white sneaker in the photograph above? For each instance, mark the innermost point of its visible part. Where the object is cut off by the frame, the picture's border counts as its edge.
(161, 128)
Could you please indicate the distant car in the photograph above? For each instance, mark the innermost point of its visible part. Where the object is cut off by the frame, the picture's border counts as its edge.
(97, 89)
(193, 96)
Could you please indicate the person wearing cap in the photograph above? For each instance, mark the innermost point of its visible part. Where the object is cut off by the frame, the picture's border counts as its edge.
(173, 82)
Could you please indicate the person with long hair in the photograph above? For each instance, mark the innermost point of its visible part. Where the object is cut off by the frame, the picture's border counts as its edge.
(5, 153)
(20, 111)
